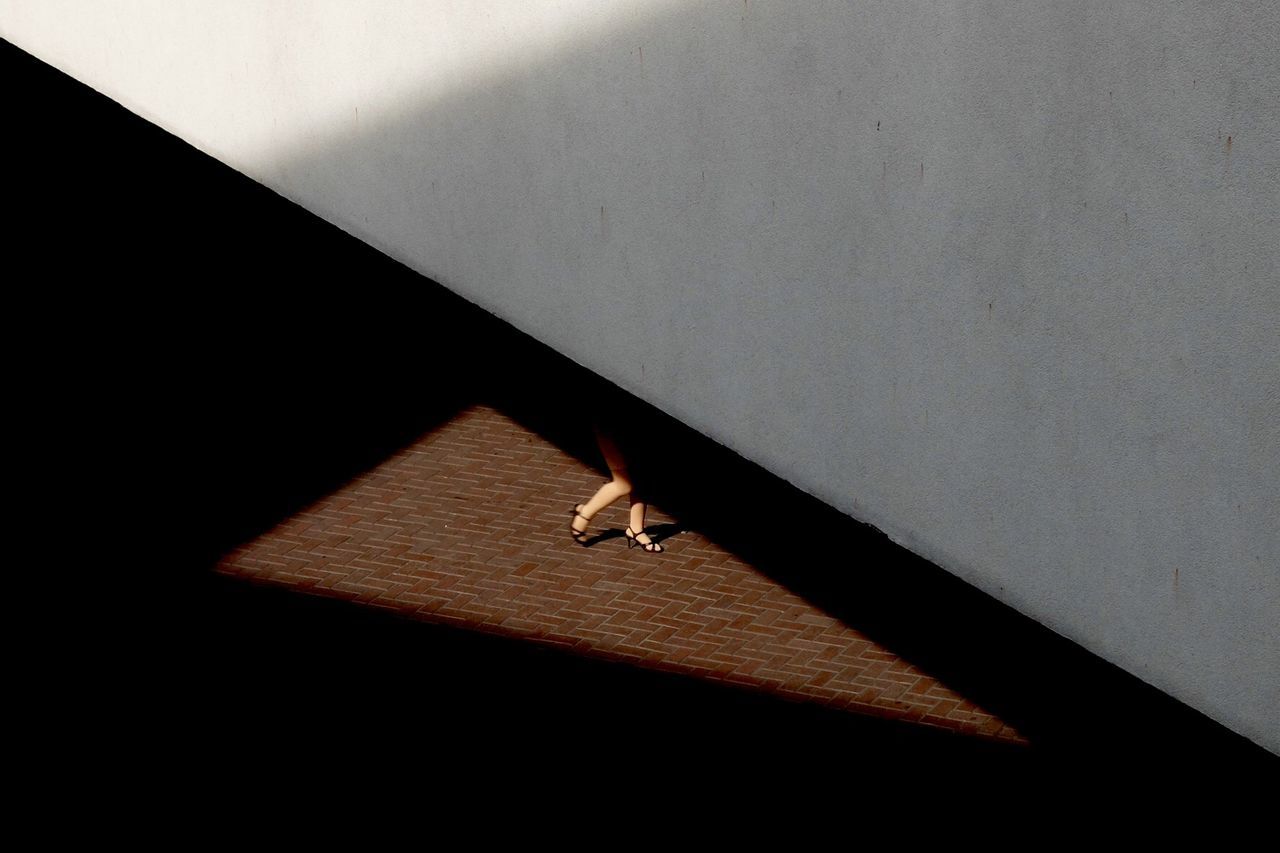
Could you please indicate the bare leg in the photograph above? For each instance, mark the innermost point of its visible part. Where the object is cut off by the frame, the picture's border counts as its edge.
(638, 508)
(608, 493)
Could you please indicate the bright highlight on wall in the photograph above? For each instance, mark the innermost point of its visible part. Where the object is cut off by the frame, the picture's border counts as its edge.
(289, 75)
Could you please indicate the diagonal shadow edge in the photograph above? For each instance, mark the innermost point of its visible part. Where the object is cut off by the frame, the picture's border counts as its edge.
(548, 686)
(237, 346)
(280, 308)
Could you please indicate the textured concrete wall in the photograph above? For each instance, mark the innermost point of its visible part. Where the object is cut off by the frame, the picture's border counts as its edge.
(999, 278)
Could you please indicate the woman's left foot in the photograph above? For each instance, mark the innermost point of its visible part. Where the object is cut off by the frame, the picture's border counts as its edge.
(646, 543)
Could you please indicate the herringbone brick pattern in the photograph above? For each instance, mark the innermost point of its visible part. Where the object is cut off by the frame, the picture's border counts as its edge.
(469, 526)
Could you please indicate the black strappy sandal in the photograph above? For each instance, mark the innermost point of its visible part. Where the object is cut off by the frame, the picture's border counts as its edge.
(651, 546)
(579, 536)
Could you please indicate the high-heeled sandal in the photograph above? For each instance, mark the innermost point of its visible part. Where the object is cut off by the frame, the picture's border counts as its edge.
(633, 539)
(579, 536)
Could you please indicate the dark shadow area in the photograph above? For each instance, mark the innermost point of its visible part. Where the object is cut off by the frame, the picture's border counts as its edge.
(239, 325)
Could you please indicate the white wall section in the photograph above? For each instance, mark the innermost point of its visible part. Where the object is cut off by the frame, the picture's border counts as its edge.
(998, 278)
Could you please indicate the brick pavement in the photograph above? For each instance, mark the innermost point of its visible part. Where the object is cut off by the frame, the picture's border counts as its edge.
(468, 526)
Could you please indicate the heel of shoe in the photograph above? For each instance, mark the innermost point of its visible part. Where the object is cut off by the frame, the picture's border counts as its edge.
(579, 536)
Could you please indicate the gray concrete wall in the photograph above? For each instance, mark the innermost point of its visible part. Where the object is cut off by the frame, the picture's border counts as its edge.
(998, 278)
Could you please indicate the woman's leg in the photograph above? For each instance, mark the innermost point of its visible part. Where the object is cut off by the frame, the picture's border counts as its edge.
(638, 508)
(608, 493)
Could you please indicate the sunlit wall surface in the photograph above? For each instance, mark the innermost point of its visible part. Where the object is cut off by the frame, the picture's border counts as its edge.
(999, 278)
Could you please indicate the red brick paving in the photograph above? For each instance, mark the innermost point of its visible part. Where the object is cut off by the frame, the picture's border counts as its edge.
(469, 526)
